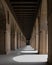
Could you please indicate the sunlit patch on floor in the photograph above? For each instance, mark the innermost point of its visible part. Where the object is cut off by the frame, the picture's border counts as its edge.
(29, 51)
(31, 58)
(28, 47)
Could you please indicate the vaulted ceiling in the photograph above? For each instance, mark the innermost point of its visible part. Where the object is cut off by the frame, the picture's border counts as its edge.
(25, 13)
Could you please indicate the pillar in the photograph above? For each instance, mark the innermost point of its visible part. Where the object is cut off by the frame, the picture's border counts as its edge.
(7, 33)
(37, 33)
(33, 38)
(24, 42)
(50, 39)
(50, 32)
(43, 27)
(15, 40)
(19, 41)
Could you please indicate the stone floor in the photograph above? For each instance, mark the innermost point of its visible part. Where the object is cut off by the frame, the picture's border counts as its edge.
(18, 58)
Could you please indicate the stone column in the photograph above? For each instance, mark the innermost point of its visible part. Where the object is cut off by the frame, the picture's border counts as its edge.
(43, 27)
(7, 38)
(50, 32)
(15, 40)
(37, 34)
(24, 43)
(33, 38)
(41, 43)
(19, 41)
(8, 32)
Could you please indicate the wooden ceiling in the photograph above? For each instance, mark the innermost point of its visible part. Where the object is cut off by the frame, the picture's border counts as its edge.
(25, 12)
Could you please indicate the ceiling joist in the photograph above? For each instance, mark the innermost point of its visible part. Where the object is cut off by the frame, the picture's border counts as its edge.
(25, 12)
(24, 3)
(25, 9)
(24, 6)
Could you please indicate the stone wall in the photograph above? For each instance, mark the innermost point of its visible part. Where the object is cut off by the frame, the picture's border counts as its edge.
(9, 37)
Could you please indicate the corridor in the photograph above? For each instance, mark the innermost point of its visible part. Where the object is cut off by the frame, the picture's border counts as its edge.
(19, 58)
(25, 32)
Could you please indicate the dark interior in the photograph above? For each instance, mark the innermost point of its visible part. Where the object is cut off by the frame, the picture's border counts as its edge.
(25, 12)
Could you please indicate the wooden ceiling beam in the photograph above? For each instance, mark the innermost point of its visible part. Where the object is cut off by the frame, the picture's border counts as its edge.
(24, 6)
(25, 9)
(25, 14)
(24, 2)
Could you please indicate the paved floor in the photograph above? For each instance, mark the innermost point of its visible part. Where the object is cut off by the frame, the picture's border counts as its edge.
(8, 59)
(29, 50)
(28, 47)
